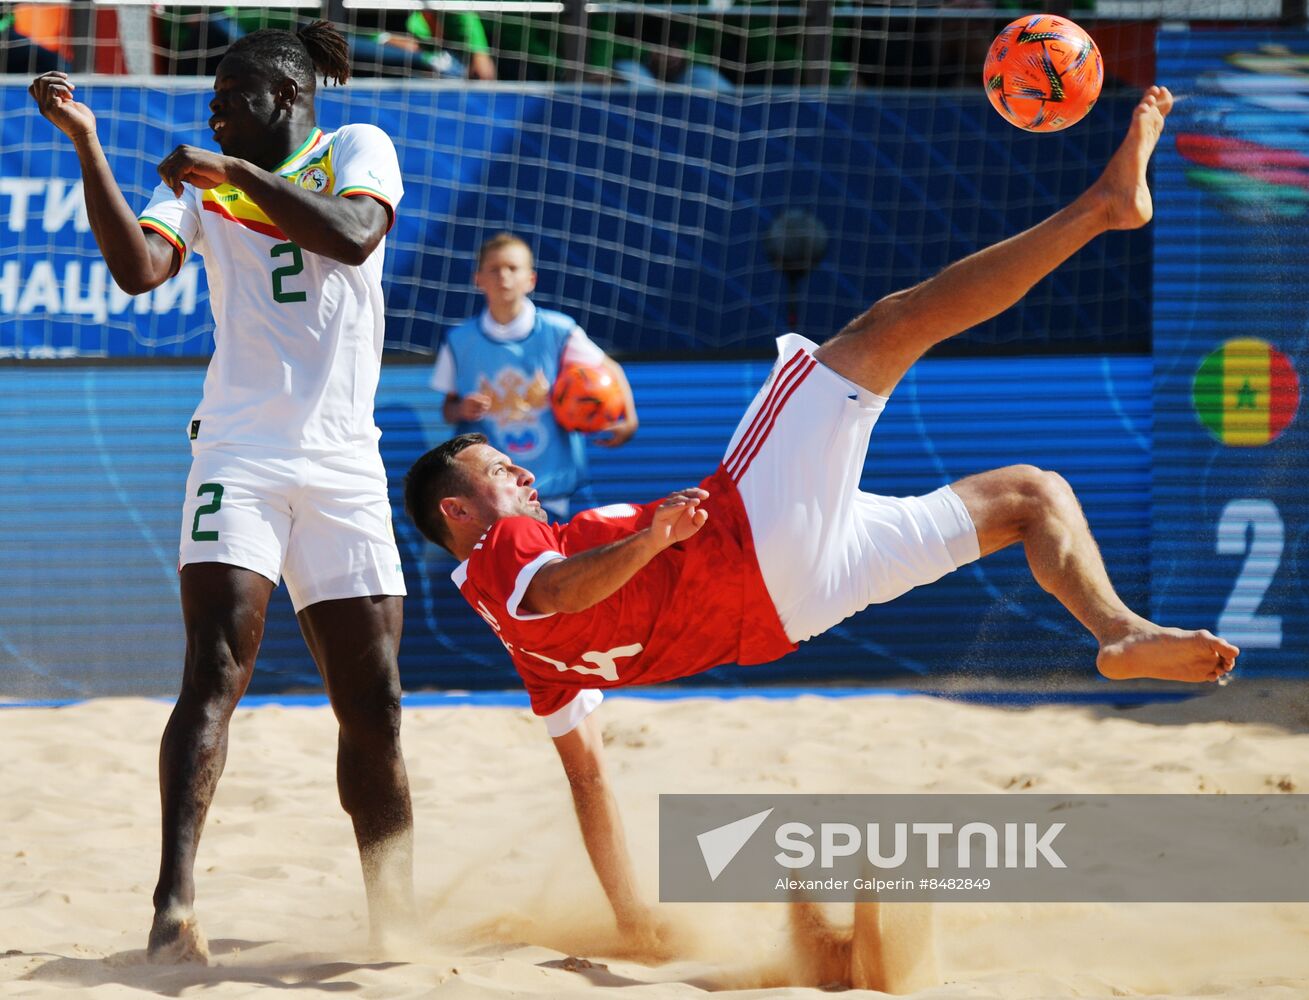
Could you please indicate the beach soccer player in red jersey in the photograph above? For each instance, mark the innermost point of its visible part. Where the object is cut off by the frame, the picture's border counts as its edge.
(779, 544)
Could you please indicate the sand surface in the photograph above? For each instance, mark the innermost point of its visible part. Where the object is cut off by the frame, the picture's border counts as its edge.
(506, 891)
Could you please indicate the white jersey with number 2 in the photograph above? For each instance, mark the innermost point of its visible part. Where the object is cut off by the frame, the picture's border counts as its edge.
(298, 336)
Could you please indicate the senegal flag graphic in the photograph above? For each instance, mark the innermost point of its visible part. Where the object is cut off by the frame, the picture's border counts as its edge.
(1246, 392)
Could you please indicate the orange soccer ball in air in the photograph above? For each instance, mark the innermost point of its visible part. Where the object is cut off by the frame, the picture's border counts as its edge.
(587, 398)
(1043, 73)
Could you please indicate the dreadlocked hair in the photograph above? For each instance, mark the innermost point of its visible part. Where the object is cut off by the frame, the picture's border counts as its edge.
(315, 48)
(328, 50)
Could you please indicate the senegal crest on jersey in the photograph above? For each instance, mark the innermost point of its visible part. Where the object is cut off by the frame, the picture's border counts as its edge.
(314, 179)
(236, 206)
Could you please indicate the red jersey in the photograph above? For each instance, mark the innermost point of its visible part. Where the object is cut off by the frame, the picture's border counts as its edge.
(697, 604)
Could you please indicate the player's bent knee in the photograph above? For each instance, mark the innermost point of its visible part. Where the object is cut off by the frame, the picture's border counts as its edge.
(371, 717)
(1032, 487)
(1055, 491)
(1018, 496)
(215, 678)
(1039, 494)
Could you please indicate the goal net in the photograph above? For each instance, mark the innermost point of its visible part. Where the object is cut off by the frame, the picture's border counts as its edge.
(694, 178)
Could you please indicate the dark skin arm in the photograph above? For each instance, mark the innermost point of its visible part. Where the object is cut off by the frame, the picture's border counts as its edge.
(567, 586)
(137, 259)
(344, 229)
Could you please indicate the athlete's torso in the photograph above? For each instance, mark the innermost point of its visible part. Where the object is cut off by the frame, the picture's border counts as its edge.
(298, 336)
(695, 605)
(517, 376)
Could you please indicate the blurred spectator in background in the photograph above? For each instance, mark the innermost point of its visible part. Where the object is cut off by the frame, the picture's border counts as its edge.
(646, 50)
(34, 38)
(941, 51)
(531, 47)
(637, 49)
(39, 37)
(435, 38)
(769, 47)
(495, 371)
(721, 45)
(418, 45)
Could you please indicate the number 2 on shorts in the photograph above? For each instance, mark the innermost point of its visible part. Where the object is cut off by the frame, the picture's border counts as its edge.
(287, 271)
(215, 491)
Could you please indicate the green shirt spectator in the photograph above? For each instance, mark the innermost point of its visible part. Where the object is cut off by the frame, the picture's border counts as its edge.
(194, 42)
(461, 30)
(533, 46)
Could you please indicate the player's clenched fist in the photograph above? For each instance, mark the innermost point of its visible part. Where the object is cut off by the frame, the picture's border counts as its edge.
(197, 167)
(53, 93)
(679, 517)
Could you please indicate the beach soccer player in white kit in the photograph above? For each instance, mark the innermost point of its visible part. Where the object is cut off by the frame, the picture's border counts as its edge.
(286, 478)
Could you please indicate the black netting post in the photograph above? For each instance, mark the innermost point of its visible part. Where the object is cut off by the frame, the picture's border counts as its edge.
(795, 243)
(334, 11)
(1295, 13)
(81, 26)
(818, 25)
(573, 23)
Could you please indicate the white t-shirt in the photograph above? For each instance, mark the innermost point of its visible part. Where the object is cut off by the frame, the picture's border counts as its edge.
(579, 349)
(298, 336)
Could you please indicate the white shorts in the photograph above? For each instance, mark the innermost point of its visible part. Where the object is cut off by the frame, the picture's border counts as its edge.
(826, 549)
(324, 521)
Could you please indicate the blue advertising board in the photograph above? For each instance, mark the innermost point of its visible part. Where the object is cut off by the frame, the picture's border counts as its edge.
(94, 460)
(1230, 531)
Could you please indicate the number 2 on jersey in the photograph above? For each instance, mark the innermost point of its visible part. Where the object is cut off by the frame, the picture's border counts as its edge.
(214, 490)
(287, 271)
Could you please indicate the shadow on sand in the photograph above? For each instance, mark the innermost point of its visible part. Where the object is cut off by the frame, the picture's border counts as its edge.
(129, 968)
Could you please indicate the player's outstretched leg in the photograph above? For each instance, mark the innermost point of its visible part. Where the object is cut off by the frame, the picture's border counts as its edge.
(223, 608)
(355, 643)
(1025, 504)
(877, 348)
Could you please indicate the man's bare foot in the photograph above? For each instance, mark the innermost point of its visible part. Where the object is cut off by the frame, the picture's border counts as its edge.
(891, 949)
(822, 951)
(1122, 187)
(176, 939)
(1167, 654)
(894, 948)
(646, 936)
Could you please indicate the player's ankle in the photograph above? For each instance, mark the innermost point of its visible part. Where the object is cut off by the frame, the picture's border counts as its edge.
(1118, 628)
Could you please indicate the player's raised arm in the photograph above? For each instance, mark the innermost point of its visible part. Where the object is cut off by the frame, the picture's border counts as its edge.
(347, 230)
(570, 585)
(344, 221)
(138, 260)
